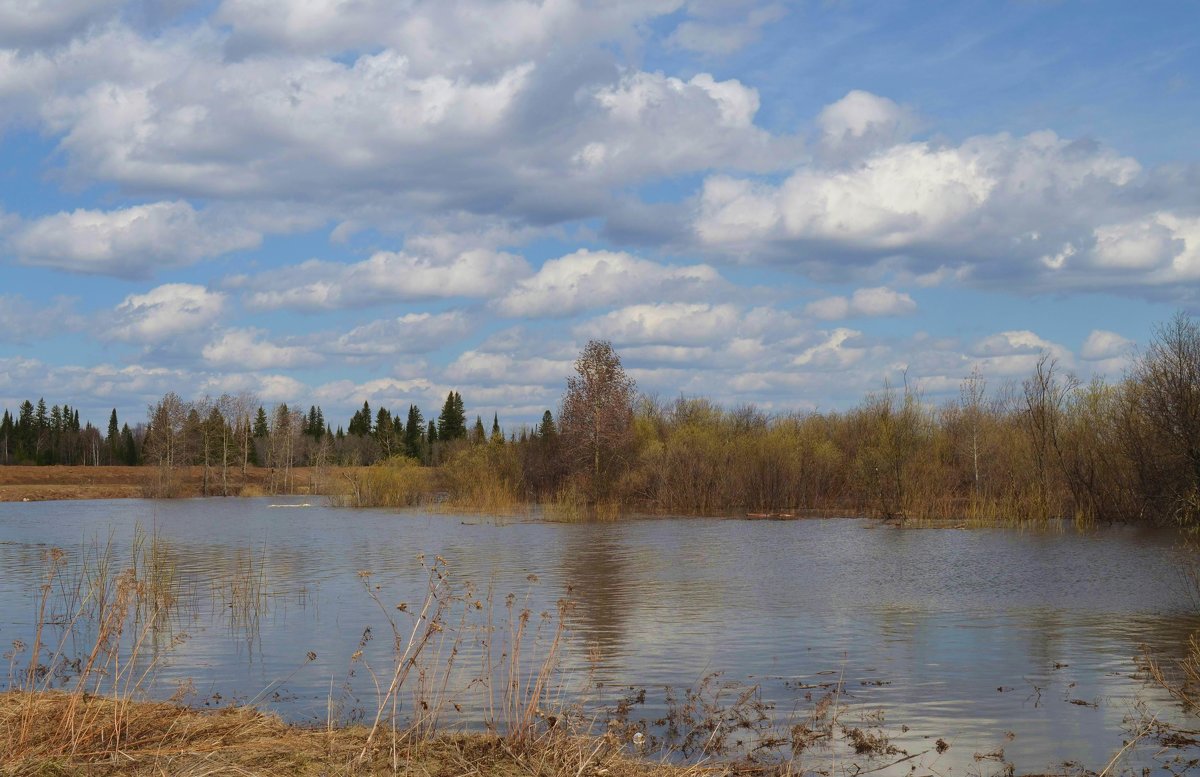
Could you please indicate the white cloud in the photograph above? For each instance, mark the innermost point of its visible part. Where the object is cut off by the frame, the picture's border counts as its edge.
(670, 323)
(992, 210)
(861, 122)
(840, 349)
(24, 321)
(1102, 344)
(477, 367)
(386, 276)
(590, 279)
(724, 36)
(408, 334)
(165, 312)
(1015, 353)
(37, 22)
(867, 303)
(439, 35)
(246, 349)
(130, 242)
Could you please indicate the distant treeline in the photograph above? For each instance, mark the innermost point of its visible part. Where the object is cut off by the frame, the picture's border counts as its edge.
(1045, 447)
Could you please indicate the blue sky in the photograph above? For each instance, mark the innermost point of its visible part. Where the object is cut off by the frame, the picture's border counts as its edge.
(779, 203)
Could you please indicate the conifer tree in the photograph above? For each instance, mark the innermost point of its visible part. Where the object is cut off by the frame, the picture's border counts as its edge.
(497, 435)
(452, 423)
(477, 434)
(547, 430)
(261, 428)
(413, 428)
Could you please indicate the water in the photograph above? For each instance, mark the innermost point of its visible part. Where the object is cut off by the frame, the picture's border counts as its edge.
(987, 639)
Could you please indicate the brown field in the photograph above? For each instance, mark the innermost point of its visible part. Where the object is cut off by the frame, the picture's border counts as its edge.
(32, 484)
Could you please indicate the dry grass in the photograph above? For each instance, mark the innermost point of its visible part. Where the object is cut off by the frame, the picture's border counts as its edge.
(34, 484)
(163, 738)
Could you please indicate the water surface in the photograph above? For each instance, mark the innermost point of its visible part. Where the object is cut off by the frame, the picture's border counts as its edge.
(986, 639)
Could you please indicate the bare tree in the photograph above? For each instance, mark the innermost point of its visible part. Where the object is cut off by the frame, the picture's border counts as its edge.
(165, 445)
(1166, 383)
(972, 393)
(597, 415)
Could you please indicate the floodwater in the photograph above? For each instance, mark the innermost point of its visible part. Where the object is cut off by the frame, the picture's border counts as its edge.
(1020, 641)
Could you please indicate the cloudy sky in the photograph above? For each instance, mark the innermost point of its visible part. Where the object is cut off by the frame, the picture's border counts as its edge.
(785, 203)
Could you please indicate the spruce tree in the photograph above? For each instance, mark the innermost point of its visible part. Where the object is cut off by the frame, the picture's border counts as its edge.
(452, 423)
(477, 432)
(547, 429)
(129, 453)
(412, 432)
(261, 428)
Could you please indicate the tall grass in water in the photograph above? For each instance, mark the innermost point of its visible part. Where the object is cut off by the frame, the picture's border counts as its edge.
(396, 482)
(122, 613)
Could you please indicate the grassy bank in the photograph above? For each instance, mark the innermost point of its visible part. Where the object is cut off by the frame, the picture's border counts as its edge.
(41, 483)
(58, 733)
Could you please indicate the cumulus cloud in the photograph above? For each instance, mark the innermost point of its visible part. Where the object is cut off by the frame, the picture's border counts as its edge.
(672, 323)
(386, 276)
(993, 209)
(1102, 344)
(248, 349)
(165, 312)
(475, 366)
(179, 114)
(874, 302)
(1016, 353)
(590, 279)
(271, 388)
(408, 334)
(131, 242)
(861, 122)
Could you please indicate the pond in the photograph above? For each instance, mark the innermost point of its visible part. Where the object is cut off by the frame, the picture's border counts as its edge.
(989, 640)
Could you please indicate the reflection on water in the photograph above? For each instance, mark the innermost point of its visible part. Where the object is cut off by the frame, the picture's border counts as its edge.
(985, 639)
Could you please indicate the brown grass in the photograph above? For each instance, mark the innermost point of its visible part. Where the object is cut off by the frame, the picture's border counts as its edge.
(162, 738)
(35, 484)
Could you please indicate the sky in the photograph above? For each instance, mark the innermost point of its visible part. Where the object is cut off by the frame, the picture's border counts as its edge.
(788, 204)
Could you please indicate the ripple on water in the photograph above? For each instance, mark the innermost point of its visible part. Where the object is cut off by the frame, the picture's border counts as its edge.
(988, 638)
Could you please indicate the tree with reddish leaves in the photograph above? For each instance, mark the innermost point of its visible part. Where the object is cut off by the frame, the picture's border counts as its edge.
(597, 417)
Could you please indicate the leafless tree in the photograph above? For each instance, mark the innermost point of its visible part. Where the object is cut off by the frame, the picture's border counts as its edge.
(597, 416)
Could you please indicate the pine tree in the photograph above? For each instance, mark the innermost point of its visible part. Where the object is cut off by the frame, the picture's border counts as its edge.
(497, 435)
(477, 432)
(113, 439)
(432, 434)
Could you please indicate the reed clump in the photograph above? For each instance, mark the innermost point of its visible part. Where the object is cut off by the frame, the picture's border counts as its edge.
(395, 482)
